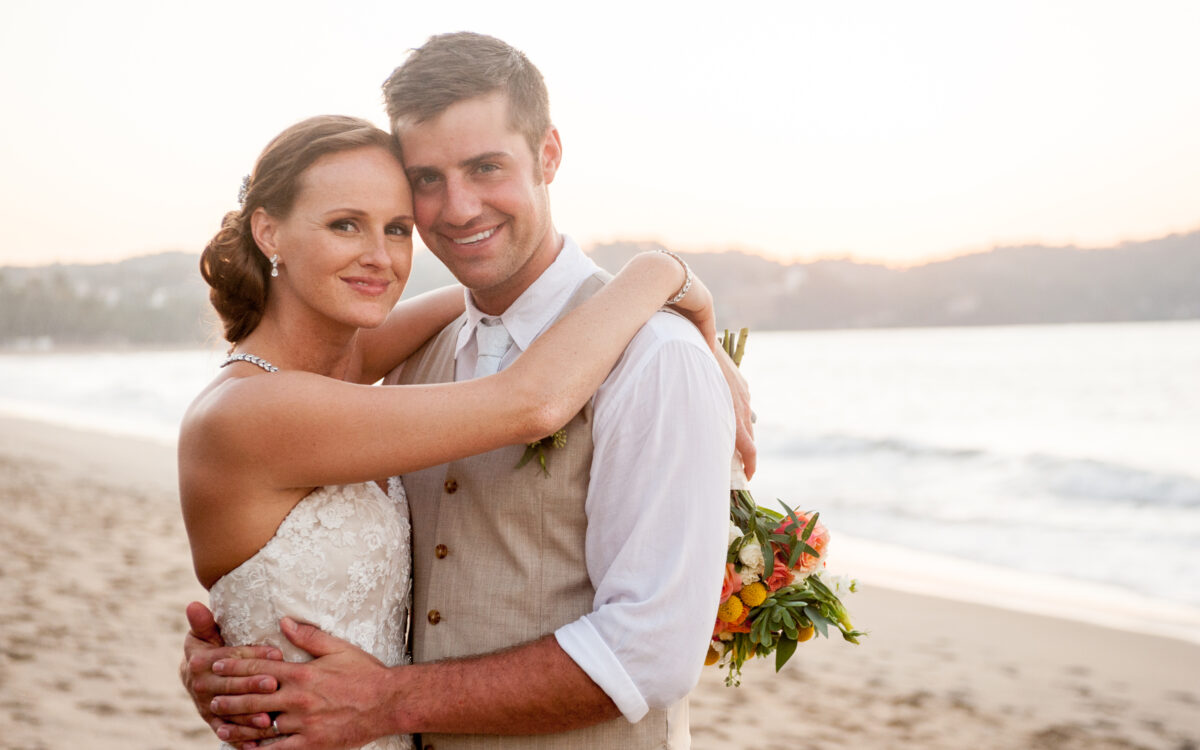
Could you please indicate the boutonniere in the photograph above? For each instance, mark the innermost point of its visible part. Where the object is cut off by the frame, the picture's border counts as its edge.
(538, 449)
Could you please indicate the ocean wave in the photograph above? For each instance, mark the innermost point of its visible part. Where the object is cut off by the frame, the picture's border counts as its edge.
(1066, 478)
(1098, 480)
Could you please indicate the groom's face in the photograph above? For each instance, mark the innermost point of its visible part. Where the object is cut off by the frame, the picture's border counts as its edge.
(480, 198)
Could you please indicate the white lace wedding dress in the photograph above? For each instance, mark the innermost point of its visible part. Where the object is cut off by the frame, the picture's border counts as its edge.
(342, 561)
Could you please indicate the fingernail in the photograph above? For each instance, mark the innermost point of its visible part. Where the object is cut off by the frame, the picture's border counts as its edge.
(219, 667)
(275, 654)
(264, 683)
(262, 721)
(215, 706)
(223, 733)
(288, 622)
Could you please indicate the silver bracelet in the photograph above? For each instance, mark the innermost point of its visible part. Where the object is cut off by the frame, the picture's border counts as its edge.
(687, 277)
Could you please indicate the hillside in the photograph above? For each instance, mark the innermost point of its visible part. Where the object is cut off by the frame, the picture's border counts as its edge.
(161, 299)
(1154, 280)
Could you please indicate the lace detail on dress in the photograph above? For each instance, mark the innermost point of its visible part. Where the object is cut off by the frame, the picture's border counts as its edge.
(340, 560)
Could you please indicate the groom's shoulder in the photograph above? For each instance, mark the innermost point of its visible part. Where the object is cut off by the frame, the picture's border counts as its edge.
(667, 326)
(666, 339)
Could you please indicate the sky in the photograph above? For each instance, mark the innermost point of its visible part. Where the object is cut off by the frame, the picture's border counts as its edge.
(886, 132)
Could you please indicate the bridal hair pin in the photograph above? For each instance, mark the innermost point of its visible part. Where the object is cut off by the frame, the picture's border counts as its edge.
(245, 188)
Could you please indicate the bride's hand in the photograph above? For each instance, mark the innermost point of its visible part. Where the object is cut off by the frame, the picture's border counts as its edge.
(697, 306)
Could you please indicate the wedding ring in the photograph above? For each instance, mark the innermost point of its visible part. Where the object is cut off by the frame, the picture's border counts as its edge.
(275, 725)
(753, 417)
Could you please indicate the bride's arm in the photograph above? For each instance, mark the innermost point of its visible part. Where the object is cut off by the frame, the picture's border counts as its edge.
(409, 325)
(297, 429)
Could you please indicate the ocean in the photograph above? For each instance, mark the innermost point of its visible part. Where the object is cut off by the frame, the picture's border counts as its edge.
(1068, 453)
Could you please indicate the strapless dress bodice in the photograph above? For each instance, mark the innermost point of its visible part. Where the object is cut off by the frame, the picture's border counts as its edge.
(342, 561)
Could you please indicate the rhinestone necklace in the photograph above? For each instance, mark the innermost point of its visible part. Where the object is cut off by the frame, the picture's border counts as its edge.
(252, 360)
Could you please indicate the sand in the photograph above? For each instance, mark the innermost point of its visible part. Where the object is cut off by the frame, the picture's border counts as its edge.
(95, 573)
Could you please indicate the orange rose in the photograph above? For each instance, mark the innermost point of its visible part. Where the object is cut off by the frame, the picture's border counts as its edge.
(741, 626)
(732, 583)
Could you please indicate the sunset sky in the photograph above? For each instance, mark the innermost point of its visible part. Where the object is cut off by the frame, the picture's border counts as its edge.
(893, 132)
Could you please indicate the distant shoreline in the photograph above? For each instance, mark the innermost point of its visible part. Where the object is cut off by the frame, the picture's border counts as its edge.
(162, 297)
(9, 348)
(107, 348)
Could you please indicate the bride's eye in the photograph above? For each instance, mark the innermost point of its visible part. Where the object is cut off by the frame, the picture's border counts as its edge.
(342, 225)
(398, 230)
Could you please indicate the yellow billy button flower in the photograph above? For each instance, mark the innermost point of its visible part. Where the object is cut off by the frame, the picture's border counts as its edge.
(806, 634)
(712, 657)
(730, 610)
(753, 595)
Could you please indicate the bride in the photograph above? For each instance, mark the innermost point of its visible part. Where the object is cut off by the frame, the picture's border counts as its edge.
(279, 454)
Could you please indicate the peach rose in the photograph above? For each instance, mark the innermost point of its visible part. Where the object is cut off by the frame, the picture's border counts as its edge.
(818, 540)
(780, 576)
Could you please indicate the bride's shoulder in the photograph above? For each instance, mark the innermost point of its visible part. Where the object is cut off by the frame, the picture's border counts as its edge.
(227, 407)
(237, 409)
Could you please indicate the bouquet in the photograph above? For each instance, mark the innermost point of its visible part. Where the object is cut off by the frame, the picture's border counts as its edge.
(767, 610)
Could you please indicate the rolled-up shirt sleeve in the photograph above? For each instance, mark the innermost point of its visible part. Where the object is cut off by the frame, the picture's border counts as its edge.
(658, 519)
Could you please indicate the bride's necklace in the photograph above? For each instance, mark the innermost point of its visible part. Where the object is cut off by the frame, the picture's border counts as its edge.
(252, 360)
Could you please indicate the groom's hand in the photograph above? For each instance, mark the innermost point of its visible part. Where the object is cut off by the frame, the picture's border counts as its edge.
(338, 700)
(201, 648)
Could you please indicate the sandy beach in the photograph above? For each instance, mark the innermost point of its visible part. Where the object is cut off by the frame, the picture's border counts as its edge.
(95, 573)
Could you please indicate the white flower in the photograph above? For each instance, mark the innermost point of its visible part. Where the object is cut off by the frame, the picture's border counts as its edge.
(753, 565)
(734, 533)
(839, 584)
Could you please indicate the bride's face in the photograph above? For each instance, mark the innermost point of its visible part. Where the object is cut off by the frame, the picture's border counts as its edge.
(345, 249)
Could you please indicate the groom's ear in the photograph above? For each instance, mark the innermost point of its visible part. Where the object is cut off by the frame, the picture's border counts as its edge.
(551, 155)
(265, 228)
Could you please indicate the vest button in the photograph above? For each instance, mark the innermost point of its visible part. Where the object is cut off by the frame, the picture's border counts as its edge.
(434, 617)
(451, 486)
(441, 551)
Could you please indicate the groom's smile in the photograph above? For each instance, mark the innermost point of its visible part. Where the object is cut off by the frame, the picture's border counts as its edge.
(476, 238)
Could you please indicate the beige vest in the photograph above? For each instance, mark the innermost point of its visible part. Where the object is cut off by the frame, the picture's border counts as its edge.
(498, 558)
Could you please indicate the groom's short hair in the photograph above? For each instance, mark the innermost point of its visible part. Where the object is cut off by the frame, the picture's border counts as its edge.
(451, 68)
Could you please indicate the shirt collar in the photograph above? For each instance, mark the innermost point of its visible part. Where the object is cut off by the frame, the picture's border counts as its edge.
(540, 303)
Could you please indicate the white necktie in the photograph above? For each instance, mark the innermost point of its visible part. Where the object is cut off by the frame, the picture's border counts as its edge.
(492, 339)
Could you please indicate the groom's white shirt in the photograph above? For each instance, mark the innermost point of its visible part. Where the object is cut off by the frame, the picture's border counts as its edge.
(658, 498)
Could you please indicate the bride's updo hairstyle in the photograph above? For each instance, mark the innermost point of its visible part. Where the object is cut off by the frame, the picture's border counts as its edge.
(232, 263)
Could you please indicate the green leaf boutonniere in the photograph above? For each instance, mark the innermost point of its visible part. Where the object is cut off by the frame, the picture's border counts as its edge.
(538, 448)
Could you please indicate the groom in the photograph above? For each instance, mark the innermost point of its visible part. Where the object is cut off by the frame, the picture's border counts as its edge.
(573, 603)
